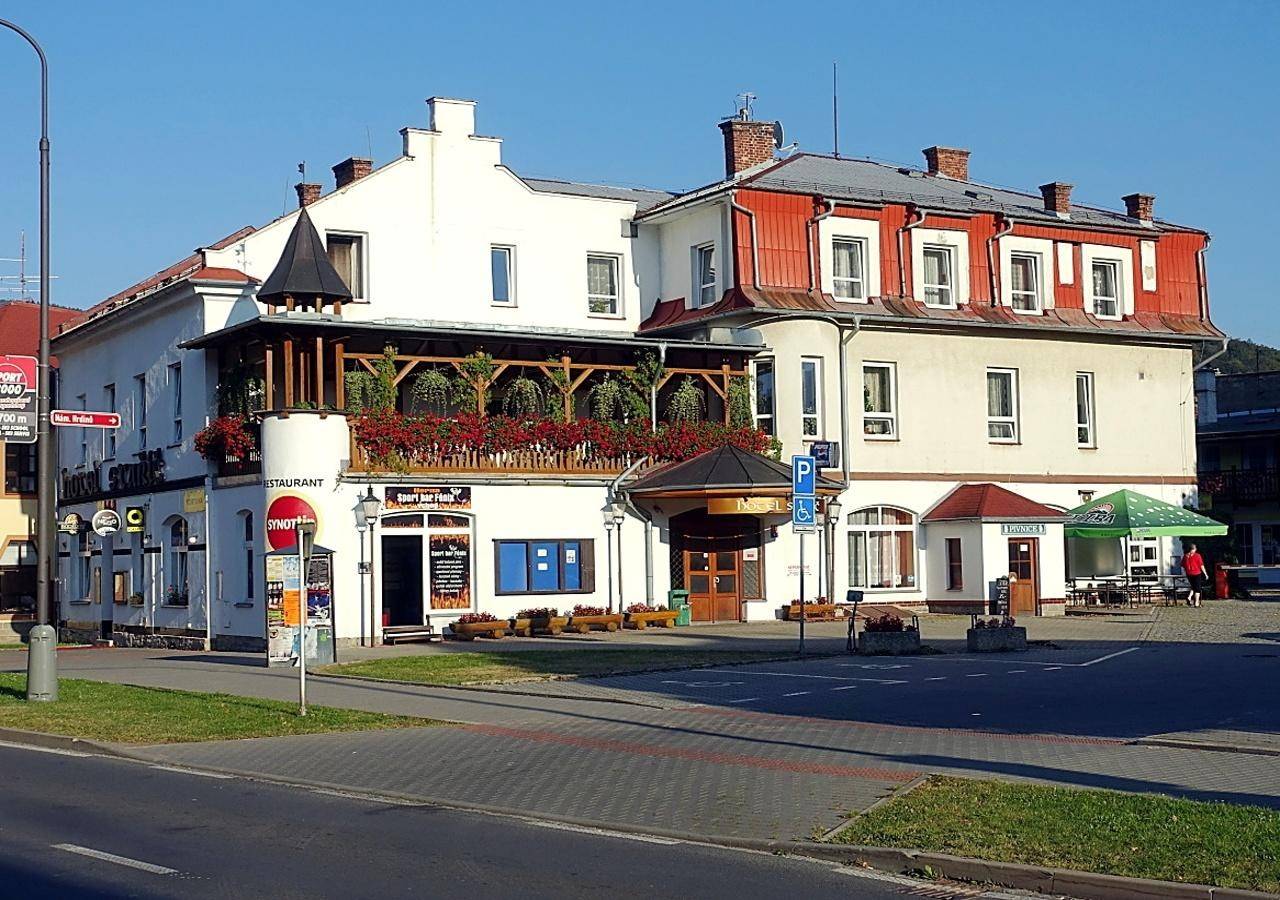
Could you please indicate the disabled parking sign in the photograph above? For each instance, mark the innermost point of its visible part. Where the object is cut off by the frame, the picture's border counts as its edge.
(803, 514)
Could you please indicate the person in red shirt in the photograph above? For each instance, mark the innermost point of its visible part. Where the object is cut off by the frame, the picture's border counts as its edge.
(1193, 567)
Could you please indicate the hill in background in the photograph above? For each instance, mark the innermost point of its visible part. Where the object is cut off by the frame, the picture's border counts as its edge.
(1242, 356)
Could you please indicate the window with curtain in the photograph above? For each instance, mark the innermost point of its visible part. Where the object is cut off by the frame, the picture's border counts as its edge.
(705, 273)
(811, 397)
(879, 401)
(1024, 282)
(938, 286)
(1084, 409)
(84, 567)
(1002, 405)
(140, 408)
(764, 395)
(1106, 288)
(602, 285)
(177, 579)
(346, 255)
(882, 542)
(175, 388)
(501, 268)
(847, 269)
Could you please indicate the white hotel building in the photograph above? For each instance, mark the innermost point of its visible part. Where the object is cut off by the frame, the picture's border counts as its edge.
(981, 359)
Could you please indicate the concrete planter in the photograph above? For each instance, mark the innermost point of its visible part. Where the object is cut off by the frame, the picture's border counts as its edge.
(889, 643)
(995, 640)
(606, 622)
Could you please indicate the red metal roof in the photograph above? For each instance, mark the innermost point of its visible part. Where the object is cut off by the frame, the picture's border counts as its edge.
(990, 502)
(20, 325)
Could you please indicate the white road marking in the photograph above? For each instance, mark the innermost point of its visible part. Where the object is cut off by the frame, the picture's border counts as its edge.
(601, 832)
(976, 675)
(822, 677)
(937, 678)
(1052, 668)
(705, 683)
(34, 749)
(118, 860)
(743, 700)
(1017, 671)
(183, 771)
(797, 694)
(873, 665)
(846, 687)
(1107, 657)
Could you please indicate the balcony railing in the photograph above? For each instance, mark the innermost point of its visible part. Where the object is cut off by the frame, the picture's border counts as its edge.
(1241, 485)
(578, 461)
(250, 464)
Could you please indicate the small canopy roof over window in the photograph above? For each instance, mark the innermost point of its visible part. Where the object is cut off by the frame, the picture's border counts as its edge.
(988, 502)
(304, 272)
(724, 470)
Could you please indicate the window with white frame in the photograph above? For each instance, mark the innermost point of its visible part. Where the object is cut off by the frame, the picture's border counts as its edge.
(882, 554)
(502, 275)
(879, 401)
(175, 394)
(84, 567)
(1106, 288)
(847, 268)
(249, 566)
(140, 408)
(764, 389)
(109, 434)
(939, 277)
(602, 286)
(346, 255)
(704, 274)
(1002, 406)
(84, 432)
(177, 591)
(1024, 281)
(811, 397)
(1084, 410)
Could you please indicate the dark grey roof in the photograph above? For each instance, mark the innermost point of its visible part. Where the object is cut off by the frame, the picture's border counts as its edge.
(861, 179)
(304, 271)
(641, 197)
(725, 468)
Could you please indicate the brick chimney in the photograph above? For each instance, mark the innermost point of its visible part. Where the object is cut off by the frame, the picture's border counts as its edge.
(1057, 197)
(747, 143)
(350, 169)
(307, 193)
(949, 161)
(1140, 206)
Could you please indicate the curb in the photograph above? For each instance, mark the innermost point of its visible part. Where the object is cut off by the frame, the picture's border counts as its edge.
(1076, 884)
(1207, 746)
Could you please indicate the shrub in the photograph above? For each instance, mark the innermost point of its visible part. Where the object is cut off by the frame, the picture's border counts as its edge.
(995, 622)
(641, 607)
(887, 623)
(475, 618)
(584, 610)
(538, 612)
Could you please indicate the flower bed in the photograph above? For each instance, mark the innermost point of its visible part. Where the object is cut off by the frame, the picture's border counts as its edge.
(584, 618)
(469, 626)
(390, 438)
(538, 620)
(640, 616)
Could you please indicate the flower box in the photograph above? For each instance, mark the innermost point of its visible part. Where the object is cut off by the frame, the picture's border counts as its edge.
(469, 631)
(527, 627)
(659, 618)
(813, 612)
(994, 640)
(889, 643)
(606, 622)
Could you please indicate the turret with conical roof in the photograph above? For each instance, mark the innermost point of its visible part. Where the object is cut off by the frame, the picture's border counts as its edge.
(303, 276)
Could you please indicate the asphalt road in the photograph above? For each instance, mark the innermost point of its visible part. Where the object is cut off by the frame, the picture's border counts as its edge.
(91, 827)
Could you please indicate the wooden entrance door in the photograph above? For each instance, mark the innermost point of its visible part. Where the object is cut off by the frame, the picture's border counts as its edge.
(713, 582)
(1024, 576)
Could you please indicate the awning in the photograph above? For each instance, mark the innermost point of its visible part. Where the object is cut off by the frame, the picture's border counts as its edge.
(1130, 514)
(725, 471)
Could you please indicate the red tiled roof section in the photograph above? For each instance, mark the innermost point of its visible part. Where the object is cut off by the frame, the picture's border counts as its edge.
(671, 313)
(20, 325)
(991, 502)
(217, 273)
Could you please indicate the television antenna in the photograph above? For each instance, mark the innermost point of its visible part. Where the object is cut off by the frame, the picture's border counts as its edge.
(22, 285)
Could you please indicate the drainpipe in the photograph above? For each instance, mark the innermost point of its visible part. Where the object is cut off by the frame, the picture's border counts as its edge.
(992, 269)
(1203, 272)
(1211, 357)
(808, 239)
(614, 492)
(902, 259)
(755, 246)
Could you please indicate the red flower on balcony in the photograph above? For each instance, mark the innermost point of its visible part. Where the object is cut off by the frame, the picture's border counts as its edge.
(226, 438)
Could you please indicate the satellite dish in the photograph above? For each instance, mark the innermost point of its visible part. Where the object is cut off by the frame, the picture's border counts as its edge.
(779, 137)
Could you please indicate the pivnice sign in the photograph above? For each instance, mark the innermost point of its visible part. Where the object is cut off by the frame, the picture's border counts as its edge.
(122, 478)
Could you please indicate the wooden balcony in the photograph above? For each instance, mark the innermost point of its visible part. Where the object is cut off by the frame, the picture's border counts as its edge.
(580, 461)
(1241, 485)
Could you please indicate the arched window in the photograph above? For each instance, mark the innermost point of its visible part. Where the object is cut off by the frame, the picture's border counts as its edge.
(177, 590)
(247, 552)
(882, 549)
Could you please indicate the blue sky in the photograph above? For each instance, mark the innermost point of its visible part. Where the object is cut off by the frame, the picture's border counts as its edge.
(176, 123)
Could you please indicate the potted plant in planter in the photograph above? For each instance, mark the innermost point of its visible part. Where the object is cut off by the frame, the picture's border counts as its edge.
(889, 635)
(538, 620)
(468, 626)
(640, 616)
(995, 634)
(584, 618)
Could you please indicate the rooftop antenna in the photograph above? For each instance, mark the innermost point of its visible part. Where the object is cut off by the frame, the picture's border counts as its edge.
(23, 279)
(835, 112)
(368, 139)
(745, 99)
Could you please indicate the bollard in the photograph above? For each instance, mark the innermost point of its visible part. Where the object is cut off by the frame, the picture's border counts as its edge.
(42, 664)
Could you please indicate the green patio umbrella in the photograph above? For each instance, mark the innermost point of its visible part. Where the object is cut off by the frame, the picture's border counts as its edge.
(1130, 514)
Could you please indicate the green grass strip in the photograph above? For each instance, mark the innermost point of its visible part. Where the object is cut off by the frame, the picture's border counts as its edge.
(1136, 835)
(121, 713)
(539, 665)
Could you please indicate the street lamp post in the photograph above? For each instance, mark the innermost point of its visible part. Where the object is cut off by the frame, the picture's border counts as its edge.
(607, 513)
(368, 509)
(362, 525)
(42, 665)
(833, 524)
(619, 516)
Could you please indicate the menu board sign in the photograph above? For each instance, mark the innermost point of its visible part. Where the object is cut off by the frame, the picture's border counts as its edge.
(449, 562)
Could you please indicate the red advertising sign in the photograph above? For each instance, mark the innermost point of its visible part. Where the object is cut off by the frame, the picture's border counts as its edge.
(283, 516)
(18, 399)
(83, 419)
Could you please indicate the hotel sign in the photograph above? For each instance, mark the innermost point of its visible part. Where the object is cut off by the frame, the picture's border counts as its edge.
(1024, 530)
(123, 478)
(755, 506)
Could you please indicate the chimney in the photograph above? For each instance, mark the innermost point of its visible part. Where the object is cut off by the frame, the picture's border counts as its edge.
(949, 161)
(1057, 197)
(307, 193)
(350, 169)
(747, 143)
(1140, 206)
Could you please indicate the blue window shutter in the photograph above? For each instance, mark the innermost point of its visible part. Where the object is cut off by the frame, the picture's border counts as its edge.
(544, 565)
(513, 566)
(572, 556)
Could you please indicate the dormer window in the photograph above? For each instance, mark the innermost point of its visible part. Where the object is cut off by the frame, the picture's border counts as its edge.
(1024, 282)
(704, 274)
(1106, 288)
(346, 255)
(848, 280)
(939, 286)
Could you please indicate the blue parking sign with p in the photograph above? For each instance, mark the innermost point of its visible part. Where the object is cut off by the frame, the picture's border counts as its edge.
(804, 470)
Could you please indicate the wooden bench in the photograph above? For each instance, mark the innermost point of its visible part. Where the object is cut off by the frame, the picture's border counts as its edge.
(392, 634)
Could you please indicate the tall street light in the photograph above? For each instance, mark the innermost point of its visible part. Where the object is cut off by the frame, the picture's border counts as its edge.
(42, 672)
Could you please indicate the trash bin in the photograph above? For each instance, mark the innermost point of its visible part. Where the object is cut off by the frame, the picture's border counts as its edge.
(679, 600)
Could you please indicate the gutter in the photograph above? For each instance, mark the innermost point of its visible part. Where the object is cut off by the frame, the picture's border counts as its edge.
(755, 246)
(1211, 357)
(992, 269)
(902, 260)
